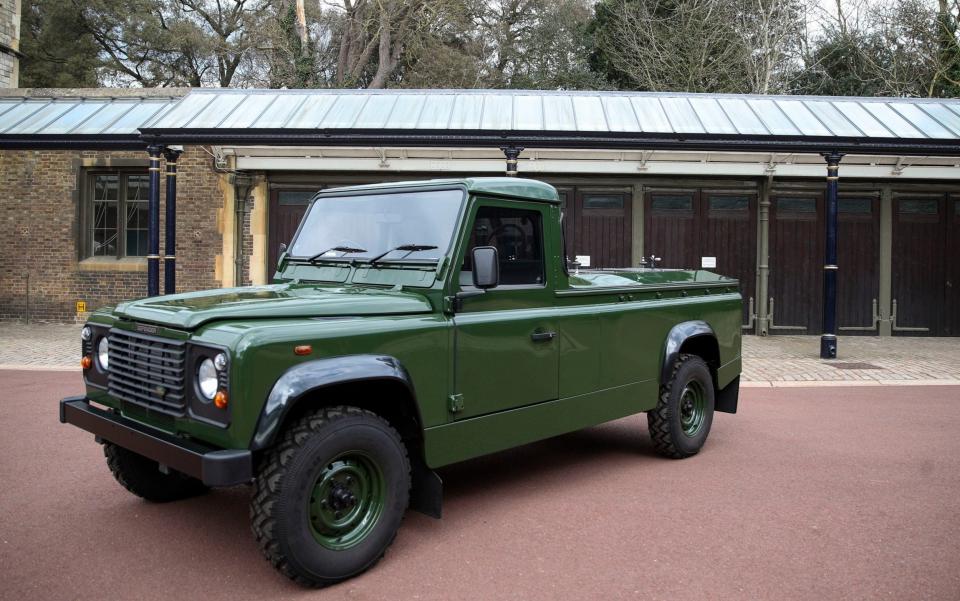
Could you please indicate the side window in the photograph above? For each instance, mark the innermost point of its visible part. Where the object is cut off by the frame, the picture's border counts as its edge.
(518, 237)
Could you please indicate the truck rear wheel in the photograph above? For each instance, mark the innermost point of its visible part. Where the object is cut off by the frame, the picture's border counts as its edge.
(329, 496)
(143, 477)
(681, 421)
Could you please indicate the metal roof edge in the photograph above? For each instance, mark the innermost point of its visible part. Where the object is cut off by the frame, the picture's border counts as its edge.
(528, 92)
(74, 142)
(568, 139)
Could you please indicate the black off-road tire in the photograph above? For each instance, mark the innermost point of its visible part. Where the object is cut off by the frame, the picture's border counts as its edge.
(143, 477)
(285, 484)
(666, 421)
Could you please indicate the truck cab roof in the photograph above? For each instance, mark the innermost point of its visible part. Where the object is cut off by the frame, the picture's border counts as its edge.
(512, 187)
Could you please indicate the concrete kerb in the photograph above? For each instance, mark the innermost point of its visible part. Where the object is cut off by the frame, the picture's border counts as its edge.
(844, 383)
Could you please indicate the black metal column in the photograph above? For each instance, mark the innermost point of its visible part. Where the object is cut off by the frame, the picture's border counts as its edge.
(153, 222)
(828, 340)
(512, 152)
(170, 242)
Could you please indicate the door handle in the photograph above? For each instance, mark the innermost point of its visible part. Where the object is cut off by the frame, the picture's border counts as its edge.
(543, 336)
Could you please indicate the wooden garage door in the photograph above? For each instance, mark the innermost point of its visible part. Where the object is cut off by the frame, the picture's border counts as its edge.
(858, 255)
(729, 235)
(673, 228)
(951, 306)
(796, 263)
(286, 209)
(685, 226)
(919, 245)
(601, 226)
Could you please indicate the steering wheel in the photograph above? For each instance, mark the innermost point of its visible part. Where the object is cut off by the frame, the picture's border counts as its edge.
(502, 229)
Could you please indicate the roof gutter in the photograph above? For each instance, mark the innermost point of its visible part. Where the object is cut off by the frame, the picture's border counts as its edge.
(66, 142)
(572, 140)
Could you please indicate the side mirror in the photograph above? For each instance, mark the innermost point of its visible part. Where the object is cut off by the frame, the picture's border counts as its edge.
(486, 267)
(283, 248)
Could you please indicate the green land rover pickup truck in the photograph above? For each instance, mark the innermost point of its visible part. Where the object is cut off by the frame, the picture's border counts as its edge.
(409, 326)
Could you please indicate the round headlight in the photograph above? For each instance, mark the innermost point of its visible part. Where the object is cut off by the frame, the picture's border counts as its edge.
(103, 355)
(220, 362)
(86, 333)
(207, 379)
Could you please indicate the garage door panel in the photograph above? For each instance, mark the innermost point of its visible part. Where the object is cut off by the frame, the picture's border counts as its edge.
(729, 235)
(672, 228)
(603, 227)
(951, 306)
(858, 252)
(919, 228)
(796, 263)
(287, 209)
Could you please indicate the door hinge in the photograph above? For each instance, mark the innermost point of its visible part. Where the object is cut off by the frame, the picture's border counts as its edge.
(456, 403)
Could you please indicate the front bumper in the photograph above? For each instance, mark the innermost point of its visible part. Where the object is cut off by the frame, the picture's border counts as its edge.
(214, 467)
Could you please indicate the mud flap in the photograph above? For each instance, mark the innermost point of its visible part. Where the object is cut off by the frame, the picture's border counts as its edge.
(426, 494)
(726, 401)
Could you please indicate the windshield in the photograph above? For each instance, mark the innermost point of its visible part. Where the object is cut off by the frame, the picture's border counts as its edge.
(379, 226)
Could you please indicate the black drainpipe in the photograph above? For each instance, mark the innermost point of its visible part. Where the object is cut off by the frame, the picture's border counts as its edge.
(243, 182)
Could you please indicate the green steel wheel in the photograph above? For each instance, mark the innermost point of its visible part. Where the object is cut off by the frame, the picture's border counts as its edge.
(692, 408)
(346, 501)
(681, 421)
(329, 496)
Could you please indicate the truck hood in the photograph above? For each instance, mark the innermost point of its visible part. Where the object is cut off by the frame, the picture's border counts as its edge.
(190, 310)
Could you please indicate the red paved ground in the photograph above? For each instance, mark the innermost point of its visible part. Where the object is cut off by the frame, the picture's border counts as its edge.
(811, 493)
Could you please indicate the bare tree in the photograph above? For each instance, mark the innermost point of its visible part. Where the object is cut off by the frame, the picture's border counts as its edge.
(771, 37)
(678, 45)
(173, 42)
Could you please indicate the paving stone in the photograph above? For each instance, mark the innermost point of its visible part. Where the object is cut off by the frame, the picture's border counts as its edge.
(791, 358)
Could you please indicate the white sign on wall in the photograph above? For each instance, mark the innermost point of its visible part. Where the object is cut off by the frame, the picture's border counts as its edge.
(584, 260)
(708, 262)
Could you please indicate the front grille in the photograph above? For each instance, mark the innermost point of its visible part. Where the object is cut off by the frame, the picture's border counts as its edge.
(147, 371)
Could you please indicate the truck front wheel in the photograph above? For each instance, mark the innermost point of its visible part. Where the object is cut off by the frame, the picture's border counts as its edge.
(681, 421)
(143, 477)
(329, 496)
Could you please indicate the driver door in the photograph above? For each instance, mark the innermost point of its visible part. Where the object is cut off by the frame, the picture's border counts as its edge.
(506, 339)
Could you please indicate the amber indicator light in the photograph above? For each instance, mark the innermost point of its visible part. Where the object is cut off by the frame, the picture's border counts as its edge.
(220, 400)
(86, 362)
(303, 349)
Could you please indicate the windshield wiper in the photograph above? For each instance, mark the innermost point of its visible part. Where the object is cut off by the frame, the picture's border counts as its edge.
(410, 248)
(344, 249)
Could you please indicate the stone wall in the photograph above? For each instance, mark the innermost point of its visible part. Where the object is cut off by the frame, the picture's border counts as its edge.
(42, 274)
(9, 43)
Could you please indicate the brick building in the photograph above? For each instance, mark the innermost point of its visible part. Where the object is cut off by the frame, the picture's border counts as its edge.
(732, 181)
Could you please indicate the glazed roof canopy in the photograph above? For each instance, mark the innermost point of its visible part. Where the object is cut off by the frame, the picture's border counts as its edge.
(97, 120)
(493, 117)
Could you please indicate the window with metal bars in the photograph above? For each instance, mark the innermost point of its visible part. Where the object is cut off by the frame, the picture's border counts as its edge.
(115, 203)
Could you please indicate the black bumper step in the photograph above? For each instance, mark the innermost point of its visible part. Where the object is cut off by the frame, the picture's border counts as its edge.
(214, 467)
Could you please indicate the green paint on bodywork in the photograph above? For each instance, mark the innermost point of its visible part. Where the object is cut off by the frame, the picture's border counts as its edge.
(508, 187)
(602, 362)
(193, 309)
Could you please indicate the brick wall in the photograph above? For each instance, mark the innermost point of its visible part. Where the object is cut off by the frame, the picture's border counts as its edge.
(40, 275)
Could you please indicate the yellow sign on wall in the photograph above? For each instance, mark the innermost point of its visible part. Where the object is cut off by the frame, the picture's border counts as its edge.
(81, 306)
